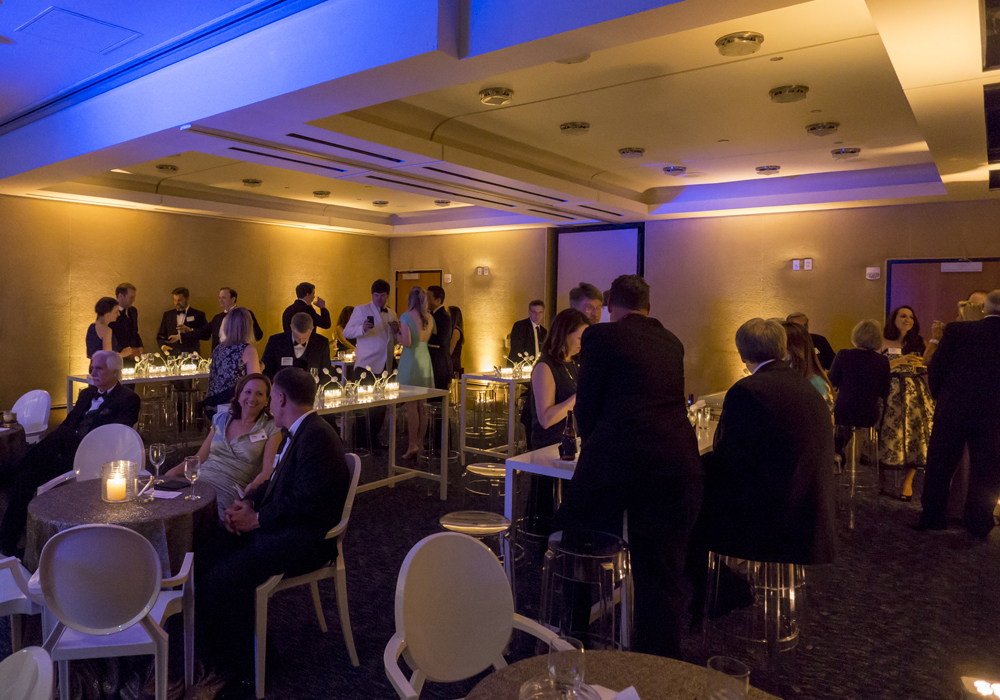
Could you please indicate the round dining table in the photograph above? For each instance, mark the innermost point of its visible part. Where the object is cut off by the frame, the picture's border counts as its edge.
(171, 525)
(653, 677)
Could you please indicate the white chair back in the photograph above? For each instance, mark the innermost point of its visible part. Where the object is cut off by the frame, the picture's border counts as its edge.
(27, 675)
(106, 444)
(354, 467)
(32, 411)
(99, 579)
(453, 606)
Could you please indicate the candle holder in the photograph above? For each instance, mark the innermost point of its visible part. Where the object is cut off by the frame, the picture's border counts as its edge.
(521, 369)
(118, 481)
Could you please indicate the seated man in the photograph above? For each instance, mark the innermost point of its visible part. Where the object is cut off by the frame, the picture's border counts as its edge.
(296, 347)
(278, 528)
(103, 403)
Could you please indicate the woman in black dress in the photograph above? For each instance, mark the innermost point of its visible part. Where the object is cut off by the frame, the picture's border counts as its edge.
(99, 336)
(457, 340)
(553, 380)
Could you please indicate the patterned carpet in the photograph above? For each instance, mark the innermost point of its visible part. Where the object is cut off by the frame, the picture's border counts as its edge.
(901, 614)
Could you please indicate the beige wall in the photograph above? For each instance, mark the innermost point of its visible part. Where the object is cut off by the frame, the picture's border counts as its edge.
(710, 275)
(57, 259)
(490, 304)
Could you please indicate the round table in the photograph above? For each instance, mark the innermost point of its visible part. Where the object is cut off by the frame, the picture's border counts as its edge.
(654, 677)
(171, 525)
(12, 446)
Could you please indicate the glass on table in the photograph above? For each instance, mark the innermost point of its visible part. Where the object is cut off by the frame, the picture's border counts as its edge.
(157, 456)
(726, 679)
(192, 468)
(144, 487)
(566, 661)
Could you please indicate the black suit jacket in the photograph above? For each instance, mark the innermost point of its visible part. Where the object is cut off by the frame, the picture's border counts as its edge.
(769, 488)
(309, 485)
(320, 320)
(125, 330)
(281, 345)
(861, 377)
(439, 347)
(121, 405)
(168, 327)
(522, 340)
(824, 350)
(213, 329)
(964, 372)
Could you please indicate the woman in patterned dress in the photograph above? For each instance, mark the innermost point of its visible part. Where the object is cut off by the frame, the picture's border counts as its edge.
(233, 358)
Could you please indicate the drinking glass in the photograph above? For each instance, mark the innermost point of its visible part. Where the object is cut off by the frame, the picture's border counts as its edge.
(192, 466)
(157, 456)
(726, 679)
(566, 662)
(145, 482)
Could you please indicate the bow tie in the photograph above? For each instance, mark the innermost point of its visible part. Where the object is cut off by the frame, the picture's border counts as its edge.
(300, 345)
(383, 311)
(284, 433)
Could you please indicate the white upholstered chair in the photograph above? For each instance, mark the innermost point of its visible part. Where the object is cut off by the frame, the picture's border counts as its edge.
(26, 675)
(32, 411)
(15, 599)
(103, 444)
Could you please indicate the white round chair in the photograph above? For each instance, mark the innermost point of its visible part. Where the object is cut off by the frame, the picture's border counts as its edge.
(32, 411)
(27, 675)
(103, 444)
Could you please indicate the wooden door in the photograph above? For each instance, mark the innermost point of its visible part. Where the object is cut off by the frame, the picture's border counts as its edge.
(405, 281)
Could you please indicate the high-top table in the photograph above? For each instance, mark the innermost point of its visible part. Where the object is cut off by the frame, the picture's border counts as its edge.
(75, 379)
(402, 395)
(511, 383)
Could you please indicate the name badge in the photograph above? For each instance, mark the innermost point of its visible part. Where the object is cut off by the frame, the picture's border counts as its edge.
(190, 318)
(287, 361)
(895, 351)
(258, 436)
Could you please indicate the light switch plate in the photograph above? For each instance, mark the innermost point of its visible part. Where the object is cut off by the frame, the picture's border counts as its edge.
(447, 279)
(873, 273)
(808, 263)
(795, 264)
(479, 270)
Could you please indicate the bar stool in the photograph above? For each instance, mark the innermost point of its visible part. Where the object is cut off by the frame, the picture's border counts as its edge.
(853, 477)
(582, 566)
(432, 437)
(483, 525)
(484, 479)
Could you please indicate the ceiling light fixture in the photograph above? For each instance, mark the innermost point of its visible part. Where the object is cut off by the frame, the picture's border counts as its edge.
(442, 202)
(380, 203)
(675, 170)
(739, 43)
(767, 169)
(823, 128)
(496, 96)
(845, 153)
(320, 194)
(167, 167)
(631, 153)
(788, 93)
(579, 58)
(574, 128)
(777, 58)
(251, 182)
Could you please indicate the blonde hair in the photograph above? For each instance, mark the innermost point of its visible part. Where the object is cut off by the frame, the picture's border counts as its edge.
(418, 301)
(867, 335)
(236, 328)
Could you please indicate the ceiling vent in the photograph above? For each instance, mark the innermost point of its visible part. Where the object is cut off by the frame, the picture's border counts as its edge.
(631, 153)
(380, 203)
(442, 202)
(675, 170)
(496, 96)
(167, 167)
(321, 194)
(252, 182)
(845, 153)
(579, 58)
(739, 43)
(823, 128)
(767, 169)
(788, 93)
(574, 128)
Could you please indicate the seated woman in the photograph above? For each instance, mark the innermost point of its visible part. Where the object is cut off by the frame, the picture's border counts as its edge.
(343, 343)
(99, 335)
(804, 360)
(553, 380)
(234, 357)
(240, 448)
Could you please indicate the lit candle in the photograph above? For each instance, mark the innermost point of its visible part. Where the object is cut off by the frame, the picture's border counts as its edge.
(116, 488)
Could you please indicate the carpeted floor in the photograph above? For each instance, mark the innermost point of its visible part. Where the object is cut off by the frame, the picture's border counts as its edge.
(901, 614)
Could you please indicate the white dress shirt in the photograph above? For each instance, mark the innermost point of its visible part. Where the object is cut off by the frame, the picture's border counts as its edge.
(96, 403)
(376, 347)
(534, 331)
(182, 316)
(765, 362)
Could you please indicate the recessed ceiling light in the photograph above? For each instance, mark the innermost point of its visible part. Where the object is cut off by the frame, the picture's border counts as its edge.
(380, 203)
(767, 169)
(253, 182)
(442, 202)
(777, 58)
(837, 143)
(788, 93)
(119, 170)
(845, 153)
(579, 58)
(167, 167)
(320, 194)
(823, 128)
(675, 170)
(496, 96)
(574, 128)
(739, 43)
(631, 153)
(723, 140)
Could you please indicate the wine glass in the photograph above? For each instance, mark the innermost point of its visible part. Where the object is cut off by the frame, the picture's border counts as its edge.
(566, 662)
(157, 456)
(192, 467)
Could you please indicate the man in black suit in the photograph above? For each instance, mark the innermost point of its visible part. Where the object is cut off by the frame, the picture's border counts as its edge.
(180, 319)
(297, 347)
(964, 377)
(305, 293)
(125, 329)
(439, 344)
(102, 403)
(822, 346)
(639, 454)
(227, 302)
(528, 334)
(279, 528)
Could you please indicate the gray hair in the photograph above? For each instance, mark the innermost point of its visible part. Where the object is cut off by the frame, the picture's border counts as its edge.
(302, 322)
(867, 335)
(992, 305)
(758, 341)
(112, 359)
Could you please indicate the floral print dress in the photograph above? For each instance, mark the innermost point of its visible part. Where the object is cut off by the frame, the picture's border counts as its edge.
(905, 429)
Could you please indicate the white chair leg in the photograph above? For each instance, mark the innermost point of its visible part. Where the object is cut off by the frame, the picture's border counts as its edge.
(345, 616)
(64, 680)
(162, 643)
(260, 643)
(15, 632)
(314, 587)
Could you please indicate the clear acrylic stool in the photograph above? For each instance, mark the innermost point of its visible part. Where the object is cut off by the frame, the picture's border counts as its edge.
(587, 589)
(854, 477)
(483, 525)
(484, 479)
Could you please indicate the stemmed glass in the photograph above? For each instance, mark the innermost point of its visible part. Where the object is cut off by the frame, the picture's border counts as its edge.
(157, 456)
(192, 467)
(566, 662)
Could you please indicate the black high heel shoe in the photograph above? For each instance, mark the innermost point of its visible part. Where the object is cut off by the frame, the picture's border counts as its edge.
(906, 499)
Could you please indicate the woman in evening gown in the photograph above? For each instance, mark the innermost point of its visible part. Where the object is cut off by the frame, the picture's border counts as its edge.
(415, 328)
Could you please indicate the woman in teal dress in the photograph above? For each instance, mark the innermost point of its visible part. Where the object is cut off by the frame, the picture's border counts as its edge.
(415, 328)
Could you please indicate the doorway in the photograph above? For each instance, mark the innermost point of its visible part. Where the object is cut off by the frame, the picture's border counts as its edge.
(405, 281)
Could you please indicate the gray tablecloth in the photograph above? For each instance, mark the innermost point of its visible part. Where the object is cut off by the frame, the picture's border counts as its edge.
(170, 525)
(654, 677)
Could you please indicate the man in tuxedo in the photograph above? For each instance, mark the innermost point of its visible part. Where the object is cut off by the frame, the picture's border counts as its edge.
(528, 334)
(125, 329)
(180, 320)
(964, 378)
(102, 403)
(439, 344)
(639, 454)
(299, 347)
(305, 293)
(279, 528)
(374, 328)
(227, 302)
(820, 344)
(588, 300)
